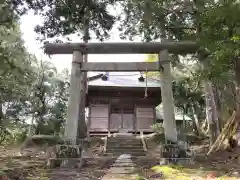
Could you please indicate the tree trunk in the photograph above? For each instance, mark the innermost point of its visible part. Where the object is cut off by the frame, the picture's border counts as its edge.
(211, 112)
(1, 114)
(30, 130)
(38, 127)
(237, 117)
(2, 131)
(218, 105)
(237, 72)
(196, 121)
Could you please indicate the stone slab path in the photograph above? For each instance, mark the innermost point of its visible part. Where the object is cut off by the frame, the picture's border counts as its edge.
(122, 168)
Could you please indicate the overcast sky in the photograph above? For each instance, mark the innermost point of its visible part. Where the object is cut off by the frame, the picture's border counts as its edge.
(29, 21)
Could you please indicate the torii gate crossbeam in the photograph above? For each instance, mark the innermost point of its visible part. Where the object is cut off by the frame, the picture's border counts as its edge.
(183, 47)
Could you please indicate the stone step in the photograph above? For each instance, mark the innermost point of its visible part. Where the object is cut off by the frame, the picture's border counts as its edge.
(133, 157)
(110, 146)
(63, 173)
(132, 154)
(123, 165)
(123, 134)
(122, 161)
(125, 151)
(122, 170)
(118, 154)
(126, 140)
(154, 147)
(124, 144)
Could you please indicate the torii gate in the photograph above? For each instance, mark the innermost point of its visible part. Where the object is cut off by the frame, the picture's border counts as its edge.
(76, 107)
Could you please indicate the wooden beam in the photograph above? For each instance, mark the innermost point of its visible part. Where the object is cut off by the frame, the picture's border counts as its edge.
(183, 47)
(121, 66)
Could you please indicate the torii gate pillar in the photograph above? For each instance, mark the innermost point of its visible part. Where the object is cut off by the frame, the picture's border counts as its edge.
(169, 122)
(75, 124)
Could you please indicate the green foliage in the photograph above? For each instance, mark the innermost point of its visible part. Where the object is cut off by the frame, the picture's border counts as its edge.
(48, 99)
(213, 24)
(152, 19)
(14, 134)
(186, 97)
(220, 32)
(29, 89)
(15, 76)
(159, 138)
(41, 140)
(158, 128)
(70, 17)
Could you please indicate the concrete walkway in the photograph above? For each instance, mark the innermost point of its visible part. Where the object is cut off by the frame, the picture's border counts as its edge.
(122, 168)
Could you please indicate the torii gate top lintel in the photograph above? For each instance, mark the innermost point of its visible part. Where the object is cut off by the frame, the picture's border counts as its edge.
(182, 47)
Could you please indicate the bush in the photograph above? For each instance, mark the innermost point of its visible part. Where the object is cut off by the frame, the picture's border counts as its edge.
(159, 138)
(158, 128)
(40, 140)
(13, 135)
(20, 136)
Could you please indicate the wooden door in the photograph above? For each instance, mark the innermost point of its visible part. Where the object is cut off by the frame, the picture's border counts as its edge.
(127, 117)
(122, 115)
(115, 118)
(98, 120)
(145, 118)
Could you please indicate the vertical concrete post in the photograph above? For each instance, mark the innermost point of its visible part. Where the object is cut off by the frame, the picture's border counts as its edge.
(71, 127)
(169, 122)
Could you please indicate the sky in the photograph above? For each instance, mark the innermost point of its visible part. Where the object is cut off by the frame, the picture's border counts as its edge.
(29, 21)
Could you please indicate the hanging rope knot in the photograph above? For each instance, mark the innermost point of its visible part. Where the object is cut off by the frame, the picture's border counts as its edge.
(146, 84)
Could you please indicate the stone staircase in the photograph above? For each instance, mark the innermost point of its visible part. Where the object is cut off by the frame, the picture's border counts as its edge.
(124, 145)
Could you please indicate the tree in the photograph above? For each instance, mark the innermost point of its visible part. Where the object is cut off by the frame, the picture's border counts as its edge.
(66, 17)
(15, 74)
(29, 89)
(187, 20)
(48, 100)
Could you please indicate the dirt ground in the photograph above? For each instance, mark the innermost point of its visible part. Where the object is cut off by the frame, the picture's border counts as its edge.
(18, 167)
(222, 165)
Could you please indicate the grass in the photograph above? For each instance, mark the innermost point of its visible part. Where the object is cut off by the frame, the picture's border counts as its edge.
(182, 173)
